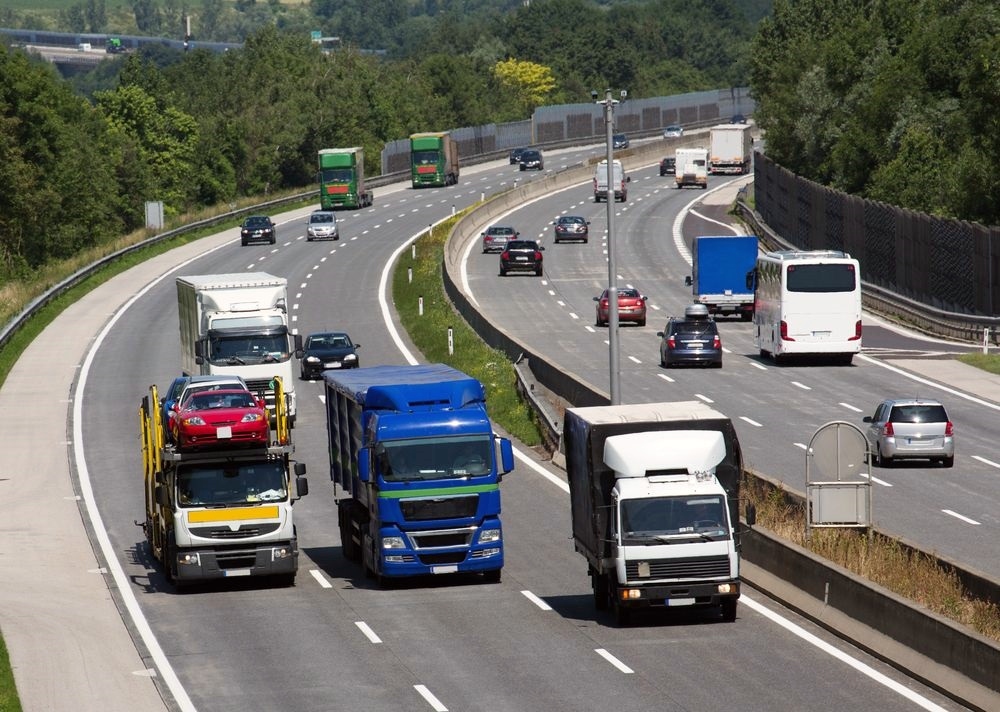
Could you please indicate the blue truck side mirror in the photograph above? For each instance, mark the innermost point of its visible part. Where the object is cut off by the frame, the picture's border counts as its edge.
(506, 456)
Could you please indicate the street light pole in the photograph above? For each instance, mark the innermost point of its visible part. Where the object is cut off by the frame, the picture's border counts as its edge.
(613, 341)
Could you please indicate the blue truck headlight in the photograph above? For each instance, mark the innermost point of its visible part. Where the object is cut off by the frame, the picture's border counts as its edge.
(393, 542)
(489, 535)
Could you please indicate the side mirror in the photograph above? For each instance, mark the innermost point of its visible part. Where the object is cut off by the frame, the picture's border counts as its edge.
(365, 464)
(752, 279)
(687, 280)
(597, 299)
(301, 486)
(541, 248)
(628, 179)
(751, 515)
(506, 456)
(866, 419)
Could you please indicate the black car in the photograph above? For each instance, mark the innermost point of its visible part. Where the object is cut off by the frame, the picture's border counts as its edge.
(257, 228)
(521, 256)
(668, 166)
(619, 141)
(571, 227)
(691, 339)
(531, 159)
(738, 119)
(515, 155)
(328, 350)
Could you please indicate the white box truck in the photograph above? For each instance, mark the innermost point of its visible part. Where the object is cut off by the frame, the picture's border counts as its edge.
(238, 324)
(730, 148)
(691, 167)
(654, 492)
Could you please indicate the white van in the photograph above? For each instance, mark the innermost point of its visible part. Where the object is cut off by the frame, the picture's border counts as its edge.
(621, 181)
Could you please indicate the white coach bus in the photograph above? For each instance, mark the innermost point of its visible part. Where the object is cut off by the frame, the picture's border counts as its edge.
(807, 302)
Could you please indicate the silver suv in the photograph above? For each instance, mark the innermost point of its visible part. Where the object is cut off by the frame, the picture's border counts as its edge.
(910, 428)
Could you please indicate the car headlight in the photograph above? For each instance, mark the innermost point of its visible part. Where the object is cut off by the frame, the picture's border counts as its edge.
(252, 418)
(312, 359)
(194, 420)
(351, 357)
(393, 542)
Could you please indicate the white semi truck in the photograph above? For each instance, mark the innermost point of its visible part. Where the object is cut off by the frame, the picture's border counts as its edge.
(238, 324)
(654, 491)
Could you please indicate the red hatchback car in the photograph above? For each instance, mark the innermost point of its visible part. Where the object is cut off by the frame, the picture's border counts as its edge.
(631, 307)
(229, 418)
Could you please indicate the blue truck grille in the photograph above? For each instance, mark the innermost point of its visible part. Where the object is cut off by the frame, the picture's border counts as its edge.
(417, 510)
(695, 568)
(453, 557)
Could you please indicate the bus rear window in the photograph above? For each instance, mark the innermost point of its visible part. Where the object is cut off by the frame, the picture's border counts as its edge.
(821, 278)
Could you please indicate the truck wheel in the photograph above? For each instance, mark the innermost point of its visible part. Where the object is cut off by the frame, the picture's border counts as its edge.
(729, 609)
(170, 558)
(623, 615)
(492, 576)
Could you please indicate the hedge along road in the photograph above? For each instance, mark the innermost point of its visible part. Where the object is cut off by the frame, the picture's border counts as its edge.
(183, 624)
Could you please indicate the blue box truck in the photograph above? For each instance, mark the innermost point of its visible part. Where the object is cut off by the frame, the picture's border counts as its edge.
(416, 469)
(720, 264)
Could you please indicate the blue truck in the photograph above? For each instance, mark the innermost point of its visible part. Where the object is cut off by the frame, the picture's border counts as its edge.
(416, 469)
(720, 265)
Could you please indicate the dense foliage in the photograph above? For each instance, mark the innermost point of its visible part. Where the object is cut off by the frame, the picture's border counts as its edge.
(199, 128)
(895, 100)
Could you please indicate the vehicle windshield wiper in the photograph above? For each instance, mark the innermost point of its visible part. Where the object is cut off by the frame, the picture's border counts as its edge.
(236, 360)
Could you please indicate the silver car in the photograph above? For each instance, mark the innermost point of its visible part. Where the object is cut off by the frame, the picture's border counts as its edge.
(322, 225)
(910, 428)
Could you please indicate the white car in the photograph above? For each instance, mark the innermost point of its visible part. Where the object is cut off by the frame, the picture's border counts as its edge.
(673, 131)
(322, 225)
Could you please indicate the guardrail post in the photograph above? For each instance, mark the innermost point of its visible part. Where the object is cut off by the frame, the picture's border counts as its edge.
(986, 340)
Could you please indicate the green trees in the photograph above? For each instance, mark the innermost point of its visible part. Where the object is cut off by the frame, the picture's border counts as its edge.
(894, 100)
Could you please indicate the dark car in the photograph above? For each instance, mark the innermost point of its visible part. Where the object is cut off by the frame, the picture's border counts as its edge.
(328, 350)
(571, 227)
(668, 166)
(521, 256)
(910, 428)
(531, 160)
(619, 141)
(738, 119)
(691, 339)
(257, 228)
(515, 155)
(496, 237)
(631, 307)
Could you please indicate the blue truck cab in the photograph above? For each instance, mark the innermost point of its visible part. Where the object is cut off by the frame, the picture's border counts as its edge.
(416, 469)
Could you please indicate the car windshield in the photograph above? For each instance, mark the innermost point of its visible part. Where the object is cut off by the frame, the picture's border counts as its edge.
(328, 341)
(208, 485)
(918, 414)
(660, 519)
(530, 155)
(210, 400)
(321, 218)
(434, 458)
(256, 222)
(694, 328)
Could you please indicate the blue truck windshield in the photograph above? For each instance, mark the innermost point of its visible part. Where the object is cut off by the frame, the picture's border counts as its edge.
(435, 458)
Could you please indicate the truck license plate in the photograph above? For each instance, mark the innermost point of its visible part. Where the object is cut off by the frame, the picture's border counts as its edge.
(235, 572)
(680, 602)
(444, 569)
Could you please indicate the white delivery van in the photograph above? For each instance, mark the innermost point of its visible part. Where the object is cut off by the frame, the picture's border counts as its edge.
(619, 179)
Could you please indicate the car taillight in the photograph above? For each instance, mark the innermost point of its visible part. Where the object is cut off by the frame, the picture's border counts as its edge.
(672, 342)
(888, 430)
(784, 332)
(857, 331)
(504, 255)
(716, 342)
(538, 256)
(949, 429)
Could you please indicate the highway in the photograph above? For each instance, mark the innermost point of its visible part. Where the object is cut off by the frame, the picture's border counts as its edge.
(533, 642)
